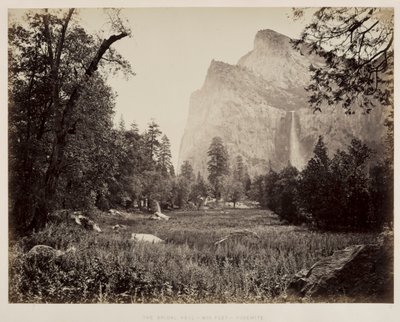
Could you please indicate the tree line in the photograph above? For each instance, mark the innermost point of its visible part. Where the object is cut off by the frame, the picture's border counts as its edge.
(346, 192)
(227, 179)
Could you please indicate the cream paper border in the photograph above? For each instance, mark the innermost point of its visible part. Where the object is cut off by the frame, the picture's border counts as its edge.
(180, 312)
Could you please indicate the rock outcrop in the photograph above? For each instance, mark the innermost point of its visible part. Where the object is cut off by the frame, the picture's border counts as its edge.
(249, 106)
(363, 273)
(46, 253)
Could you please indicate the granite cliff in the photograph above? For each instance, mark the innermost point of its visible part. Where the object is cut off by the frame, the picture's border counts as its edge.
(256, 105)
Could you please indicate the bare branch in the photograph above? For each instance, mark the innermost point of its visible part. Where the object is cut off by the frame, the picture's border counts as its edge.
(101, 51)
(48, 37)
(62, 36)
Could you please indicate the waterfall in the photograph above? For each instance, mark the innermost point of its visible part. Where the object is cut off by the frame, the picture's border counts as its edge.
(296, 159)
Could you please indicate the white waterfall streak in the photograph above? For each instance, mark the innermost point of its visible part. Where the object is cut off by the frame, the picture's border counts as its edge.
(296, 159)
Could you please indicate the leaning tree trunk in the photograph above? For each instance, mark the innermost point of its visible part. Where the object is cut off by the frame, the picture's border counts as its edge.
(63, 116)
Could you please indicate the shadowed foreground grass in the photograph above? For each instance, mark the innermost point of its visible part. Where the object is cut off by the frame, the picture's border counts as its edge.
(188, 268)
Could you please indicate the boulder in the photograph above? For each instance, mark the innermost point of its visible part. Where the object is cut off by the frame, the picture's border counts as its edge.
(238, 234)
(146, 238)
(85, 222)
(363, 273)
(44, 252)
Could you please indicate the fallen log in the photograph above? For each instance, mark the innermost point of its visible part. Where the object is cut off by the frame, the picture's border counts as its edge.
(238, 233)
(85, 222)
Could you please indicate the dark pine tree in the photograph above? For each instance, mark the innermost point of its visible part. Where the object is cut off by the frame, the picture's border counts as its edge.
(217, 165)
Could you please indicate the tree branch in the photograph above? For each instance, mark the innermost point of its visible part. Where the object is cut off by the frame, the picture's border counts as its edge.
(76, 92)
(47, 36)
(62, 37)
(101, 51)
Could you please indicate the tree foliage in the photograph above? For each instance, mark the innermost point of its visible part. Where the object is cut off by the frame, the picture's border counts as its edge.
(200, 190)
(183, 184)
(234, 191)
(356, 45)
(151, 138)
(54, 75)
(279, 192)
(187, 171)
(314, 184)
(217, 166)
(164, 156)
(64, 150)
(144, 171)
(237, 185)
(345, 192)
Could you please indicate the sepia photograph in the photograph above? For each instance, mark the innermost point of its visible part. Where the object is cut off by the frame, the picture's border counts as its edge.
(200, 155)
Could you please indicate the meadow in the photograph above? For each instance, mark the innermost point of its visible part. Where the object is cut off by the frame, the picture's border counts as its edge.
(108, 267)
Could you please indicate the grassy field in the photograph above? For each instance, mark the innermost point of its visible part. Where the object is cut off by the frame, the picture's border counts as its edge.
(110, 268)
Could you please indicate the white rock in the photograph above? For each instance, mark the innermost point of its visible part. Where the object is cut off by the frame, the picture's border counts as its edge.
(146, 238)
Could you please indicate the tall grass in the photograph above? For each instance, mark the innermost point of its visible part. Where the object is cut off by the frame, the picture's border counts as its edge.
(188, 268)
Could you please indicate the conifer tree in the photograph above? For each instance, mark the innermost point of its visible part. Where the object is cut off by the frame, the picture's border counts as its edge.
(217, 166)
(164, 156)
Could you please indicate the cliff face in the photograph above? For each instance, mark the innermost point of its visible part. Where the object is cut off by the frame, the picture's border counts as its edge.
(275, 60)
(249, 105)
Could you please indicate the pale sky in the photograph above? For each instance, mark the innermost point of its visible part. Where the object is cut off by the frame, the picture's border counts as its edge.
(170, 52)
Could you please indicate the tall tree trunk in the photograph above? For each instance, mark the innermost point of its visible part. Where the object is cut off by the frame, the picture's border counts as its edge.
(63, 116)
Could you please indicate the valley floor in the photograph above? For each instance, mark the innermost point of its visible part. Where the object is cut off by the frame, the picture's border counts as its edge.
(108, 267)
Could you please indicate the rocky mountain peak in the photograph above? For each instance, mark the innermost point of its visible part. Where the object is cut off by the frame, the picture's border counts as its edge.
(274, 58)
(271, 41)
(216, 66)
(259, 105)
(218, 70)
